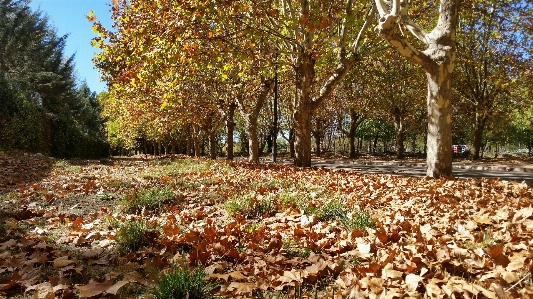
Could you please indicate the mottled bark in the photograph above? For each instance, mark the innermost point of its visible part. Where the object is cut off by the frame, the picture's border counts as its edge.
(250, 113)
(292, 151)
(253, 142)
(437, 60)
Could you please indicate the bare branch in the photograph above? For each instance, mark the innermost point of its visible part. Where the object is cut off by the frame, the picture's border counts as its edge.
(382, 8)
(415, 30)
(355, 44)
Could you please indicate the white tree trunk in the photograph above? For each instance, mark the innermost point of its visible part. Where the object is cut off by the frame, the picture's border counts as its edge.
(438, 62)
(439, 140)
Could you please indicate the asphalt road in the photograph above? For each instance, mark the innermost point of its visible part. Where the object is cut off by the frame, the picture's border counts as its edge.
(518, 173)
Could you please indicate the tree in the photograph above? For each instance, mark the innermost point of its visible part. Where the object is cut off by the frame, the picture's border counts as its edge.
(46, 99)
(493, 47)
(396, 100)
(438, 62)
(308, 34)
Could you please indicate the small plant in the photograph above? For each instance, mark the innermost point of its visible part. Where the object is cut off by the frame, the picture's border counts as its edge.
(181, 282)
(61, 163)
(253, 226)
(351, 220)
(334, 209)
(292, 250)
(357, 220)
(487, 241)
(151, 199)
(250, 206)
(131, 235)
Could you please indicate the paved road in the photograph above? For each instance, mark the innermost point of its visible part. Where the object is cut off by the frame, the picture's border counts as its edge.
(518, 173)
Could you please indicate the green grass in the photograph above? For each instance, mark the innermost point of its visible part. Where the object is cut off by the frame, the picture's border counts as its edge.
(131, 235)
(250, 205)
(355, 219)
(152, 199)
(66, 165)
(333, 209)
(181, 282)
(292, 250)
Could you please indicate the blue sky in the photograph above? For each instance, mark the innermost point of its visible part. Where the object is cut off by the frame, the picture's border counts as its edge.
(68, 17)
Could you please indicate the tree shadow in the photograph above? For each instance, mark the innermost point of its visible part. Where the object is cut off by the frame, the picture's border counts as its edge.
(22, 170)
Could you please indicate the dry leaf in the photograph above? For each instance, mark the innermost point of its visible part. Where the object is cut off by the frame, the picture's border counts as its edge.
(412, 280)
(114, 289)
(93, 288)
(62, 262)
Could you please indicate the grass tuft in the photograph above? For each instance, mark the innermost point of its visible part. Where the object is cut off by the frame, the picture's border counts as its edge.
(351, 220)
(181, 282)
(131, 235)
(250, 206)
(152, 199)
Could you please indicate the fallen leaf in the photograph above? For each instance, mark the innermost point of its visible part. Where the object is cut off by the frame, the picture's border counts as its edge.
(62, 262)
(114, 289)
(242, 287)
(412, 280)
(93, 288)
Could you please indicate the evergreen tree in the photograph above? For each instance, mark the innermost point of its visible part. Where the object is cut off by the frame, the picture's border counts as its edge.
(39, 92)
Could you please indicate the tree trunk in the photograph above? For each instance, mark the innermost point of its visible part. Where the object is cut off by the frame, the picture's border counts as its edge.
(212, 136)
(400, 135)
(188, 146)
(302, 134)
(352, 147)
(303, 109)
(437, 60)
(439, 142)
(292, 151)
(355, 121)
(230, 128)
(317, 143)
(251, 115)
(479, 126)
(196, 139)
(253, 143)
(478, 138)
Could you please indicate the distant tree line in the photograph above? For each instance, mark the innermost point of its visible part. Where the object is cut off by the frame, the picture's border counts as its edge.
(42, 106)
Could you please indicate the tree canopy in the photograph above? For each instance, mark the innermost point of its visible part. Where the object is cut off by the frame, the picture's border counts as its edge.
(177, 71)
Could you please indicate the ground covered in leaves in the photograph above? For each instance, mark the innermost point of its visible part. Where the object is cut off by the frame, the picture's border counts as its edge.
(108, 229)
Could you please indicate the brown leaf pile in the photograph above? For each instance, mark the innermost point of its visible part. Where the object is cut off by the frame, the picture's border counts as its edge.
(431, 239)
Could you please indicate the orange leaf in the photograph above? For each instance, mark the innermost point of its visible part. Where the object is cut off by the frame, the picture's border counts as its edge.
(93, 288)
(77, 224)
(495, 251)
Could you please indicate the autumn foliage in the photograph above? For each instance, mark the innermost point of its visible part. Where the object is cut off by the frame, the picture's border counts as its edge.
(424, 238)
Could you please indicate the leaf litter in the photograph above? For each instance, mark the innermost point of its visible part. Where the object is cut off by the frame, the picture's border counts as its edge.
(256, 230)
